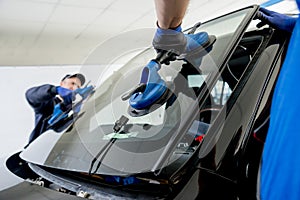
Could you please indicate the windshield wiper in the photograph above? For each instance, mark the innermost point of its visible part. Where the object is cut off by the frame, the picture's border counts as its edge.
(120, 123)
(117, 127)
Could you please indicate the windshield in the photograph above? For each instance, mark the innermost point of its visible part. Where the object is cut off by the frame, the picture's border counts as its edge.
(167, 136)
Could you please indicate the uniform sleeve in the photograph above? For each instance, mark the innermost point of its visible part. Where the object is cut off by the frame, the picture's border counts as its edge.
(37, 96)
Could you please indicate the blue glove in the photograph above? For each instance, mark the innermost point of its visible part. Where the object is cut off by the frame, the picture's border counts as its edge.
(189, 46)
(276, 20)
(66, 94)
(168, 39)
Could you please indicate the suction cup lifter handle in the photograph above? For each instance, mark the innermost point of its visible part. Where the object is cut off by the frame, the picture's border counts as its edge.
(194, 28)
(165, 57)
(139, 88)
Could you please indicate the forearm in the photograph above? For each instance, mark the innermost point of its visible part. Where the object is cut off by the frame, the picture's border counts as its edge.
(170, 12)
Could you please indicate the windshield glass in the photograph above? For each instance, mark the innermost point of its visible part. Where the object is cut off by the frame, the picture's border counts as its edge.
(166, 136)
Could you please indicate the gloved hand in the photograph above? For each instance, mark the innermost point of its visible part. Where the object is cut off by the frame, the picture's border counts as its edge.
(276, 20)
(190, 47)
(66, 94)
(167, 39)
(176, 40)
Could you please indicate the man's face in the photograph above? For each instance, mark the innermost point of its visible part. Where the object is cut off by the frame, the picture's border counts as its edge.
(71, 83)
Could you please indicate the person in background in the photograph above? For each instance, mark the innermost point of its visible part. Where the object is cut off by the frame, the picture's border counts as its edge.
(44, 97)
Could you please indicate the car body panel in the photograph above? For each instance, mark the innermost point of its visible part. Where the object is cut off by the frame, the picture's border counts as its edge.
(30, 191)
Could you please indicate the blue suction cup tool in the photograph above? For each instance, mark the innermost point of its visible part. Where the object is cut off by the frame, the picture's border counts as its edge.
(167, 97)
(150, 93)
(154, 89)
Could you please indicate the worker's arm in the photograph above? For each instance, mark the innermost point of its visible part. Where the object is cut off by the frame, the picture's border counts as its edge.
(276, 20)
(37, 96)
(170, 12)
(169, 18)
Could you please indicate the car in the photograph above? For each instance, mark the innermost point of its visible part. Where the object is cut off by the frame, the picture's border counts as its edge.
(203, 140)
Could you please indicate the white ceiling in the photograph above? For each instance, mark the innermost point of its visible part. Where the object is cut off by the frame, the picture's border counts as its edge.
(63, 32)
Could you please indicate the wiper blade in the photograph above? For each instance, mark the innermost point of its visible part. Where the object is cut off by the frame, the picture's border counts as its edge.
(117, 127)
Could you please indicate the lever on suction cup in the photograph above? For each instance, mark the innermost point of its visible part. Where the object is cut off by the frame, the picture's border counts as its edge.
(139, 88)
(165, 57)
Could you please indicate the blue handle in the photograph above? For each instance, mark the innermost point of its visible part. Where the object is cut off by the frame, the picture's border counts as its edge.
(155, 87)
(57, 115)
(84, 92)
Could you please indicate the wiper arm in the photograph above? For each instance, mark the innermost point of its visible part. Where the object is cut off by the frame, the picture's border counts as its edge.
(120, 123)
(105, 149)
(117, 127)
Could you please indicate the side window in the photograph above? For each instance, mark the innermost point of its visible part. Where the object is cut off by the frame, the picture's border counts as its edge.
(235, 68)
(231, 75)
(262, 117)
(221, 92)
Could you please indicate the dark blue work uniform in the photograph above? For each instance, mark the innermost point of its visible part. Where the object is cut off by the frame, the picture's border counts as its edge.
(42, 100)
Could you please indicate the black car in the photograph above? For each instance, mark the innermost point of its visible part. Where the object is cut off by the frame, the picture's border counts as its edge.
(202, 142)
